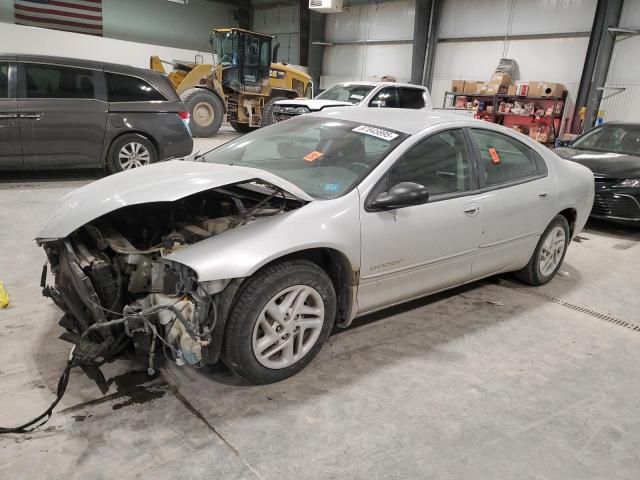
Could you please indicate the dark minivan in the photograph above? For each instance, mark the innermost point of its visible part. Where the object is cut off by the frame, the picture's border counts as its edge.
(61, 113)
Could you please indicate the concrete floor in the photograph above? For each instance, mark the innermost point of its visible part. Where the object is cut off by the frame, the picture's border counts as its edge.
(530, 386)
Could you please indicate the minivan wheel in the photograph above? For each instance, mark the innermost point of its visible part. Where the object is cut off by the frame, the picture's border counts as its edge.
(281, 318)
(131, 151)
(205, 111)
(549, 253)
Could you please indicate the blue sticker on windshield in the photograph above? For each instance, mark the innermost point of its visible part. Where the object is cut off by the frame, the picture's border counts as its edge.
(331, 187)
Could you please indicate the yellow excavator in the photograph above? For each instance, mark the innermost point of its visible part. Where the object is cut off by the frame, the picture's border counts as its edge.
(244, 82)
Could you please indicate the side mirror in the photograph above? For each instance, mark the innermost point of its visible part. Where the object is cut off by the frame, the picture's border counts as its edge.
(404, 194)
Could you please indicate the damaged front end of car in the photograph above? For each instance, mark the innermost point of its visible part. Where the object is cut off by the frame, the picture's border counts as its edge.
(121, 295)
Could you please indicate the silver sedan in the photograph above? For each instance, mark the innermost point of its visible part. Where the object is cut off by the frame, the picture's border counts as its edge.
(252, 252)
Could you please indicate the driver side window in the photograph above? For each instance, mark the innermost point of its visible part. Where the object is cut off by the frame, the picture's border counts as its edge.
(440, 163)
(385, 98)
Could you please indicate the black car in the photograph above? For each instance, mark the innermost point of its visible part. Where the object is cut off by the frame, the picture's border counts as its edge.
(59, 113)
(612, 152)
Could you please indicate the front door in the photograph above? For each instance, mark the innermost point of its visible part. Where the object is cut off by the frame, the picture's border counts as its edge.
(10, 147)
(61, 120)
(412, 251)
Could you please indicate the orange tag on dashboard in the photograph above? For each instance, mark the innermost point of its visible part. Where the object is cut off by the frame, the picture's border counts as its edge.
(495, 158)
(312, 156)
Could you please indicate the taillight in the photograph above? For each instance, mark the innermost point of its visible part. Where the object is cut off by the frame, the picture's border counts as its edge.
(184, 115)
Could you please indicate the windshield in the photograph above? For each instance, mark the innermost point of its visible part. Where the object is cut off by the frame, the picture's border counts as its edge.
(323, 157)
(345, 92)
(611, 138)
(225, 48)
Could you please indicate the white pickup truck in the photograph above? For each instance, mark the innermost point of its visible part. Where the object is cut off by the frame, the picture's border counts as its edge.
(357, 94)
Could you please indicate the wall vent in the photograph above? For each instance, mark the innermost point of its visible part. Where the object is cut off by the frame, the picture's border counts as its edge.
(325, 6)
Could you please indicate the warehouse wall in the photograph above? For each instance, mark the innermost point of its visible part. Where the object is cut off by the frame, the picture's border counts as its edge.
(283, 22)
(347, 60)
(156, 22)
(542, 59)
(624, 71)
(32, 40)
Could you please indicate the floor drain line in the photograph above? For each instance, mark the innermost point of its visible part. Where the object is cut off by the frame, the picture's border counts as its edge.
(602, 316)
(625, 245)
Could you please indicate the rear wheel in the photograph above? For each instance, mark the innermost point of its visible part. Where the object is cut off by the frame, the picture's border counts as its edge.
(205, 110)
(267, 111)
(548, 255)
(281, 319)
(130, 151)
(242, 127)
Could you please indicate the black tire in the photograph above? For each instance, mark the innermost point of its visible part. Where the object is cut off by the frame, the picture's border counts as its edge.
(267, 111)
(114, 163)
(242, 127)
(532, 274)
(205, 111)
(254, 295)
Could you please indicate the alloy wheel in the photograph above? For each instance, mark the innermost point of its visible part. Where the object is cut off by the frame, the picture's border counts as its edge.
(288, 326)
(552, 251)
(133, 155)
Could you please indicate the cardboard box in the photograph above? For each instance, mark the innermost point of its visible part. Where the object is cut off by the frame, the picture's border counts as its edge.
(497, 89)
(535, 89)
(511, 90)
(457, 86)
(501, 79)
(551, 89)
(469, 86)
(481, 87)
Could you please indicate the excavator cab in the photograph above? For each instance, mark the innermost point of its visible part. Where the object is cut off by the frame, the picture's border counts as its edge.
(244, 59)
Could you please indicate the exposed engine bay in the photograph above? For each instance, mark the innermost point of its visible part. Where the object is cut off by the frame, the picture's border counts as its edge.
(119, 293)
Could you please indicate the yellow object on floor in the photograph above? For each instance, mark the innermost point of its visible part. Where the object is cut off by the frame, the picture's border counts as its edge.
(4, 297)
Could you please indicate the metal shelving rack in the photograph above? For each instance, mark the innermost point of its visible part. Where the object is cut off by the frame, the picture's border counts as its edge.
(495, 100)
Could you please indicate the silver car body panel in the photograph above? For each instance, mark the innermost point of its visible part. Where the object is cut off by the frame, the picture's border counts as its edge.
(396, 255)
(160, 182)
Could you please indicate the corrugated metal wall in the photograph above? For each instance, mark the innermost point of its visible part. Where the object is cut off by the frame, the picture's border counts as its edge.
(624, 71)
(349, 60)
(283, 22)
(553, 59)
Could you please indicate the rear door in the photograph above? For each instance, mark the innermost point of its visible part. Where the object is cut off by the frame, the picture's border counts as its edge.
(62, 112)
(517, 201)
(10, 147)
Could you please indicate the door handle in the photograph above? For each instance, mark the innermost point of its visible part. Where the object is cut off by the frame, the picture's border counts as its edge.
(543, 195)
(8, 115)
(471, 209)
(34, 116)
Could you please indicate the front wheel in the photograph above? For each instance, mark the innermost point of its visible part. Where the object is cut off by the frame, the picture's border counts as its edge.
(242, 127)
(548, 255)
(205, 111)
(281, 318)
(267, 117)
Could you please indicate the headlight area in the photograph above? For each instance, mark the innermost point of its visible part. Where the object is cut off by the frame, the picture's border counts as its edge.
(118, 303)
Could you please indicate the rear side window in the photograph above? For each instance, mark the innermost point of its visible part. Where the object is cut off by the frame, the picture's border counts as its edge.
(411, 98)
(125, 88)
(52, 81)
(504, 159)
(4, 80)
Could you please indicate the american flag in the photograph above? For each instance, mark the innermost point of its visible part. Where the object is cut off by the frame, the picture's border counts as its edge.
(80, 16)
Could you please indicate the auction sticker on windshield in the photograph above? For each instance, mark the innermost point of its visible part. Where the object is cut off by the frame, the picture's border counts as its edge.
(376, 132)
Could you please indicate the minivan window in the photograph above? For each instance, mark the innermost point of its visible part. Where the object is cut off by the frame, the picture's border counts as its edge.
(52, 81)
(125, 88)
(4, 80)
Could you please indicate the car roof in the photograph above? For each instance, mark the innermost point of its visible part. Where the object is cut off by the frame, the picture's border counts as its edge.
(77, 62)
(369, 83)
(399, 119)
